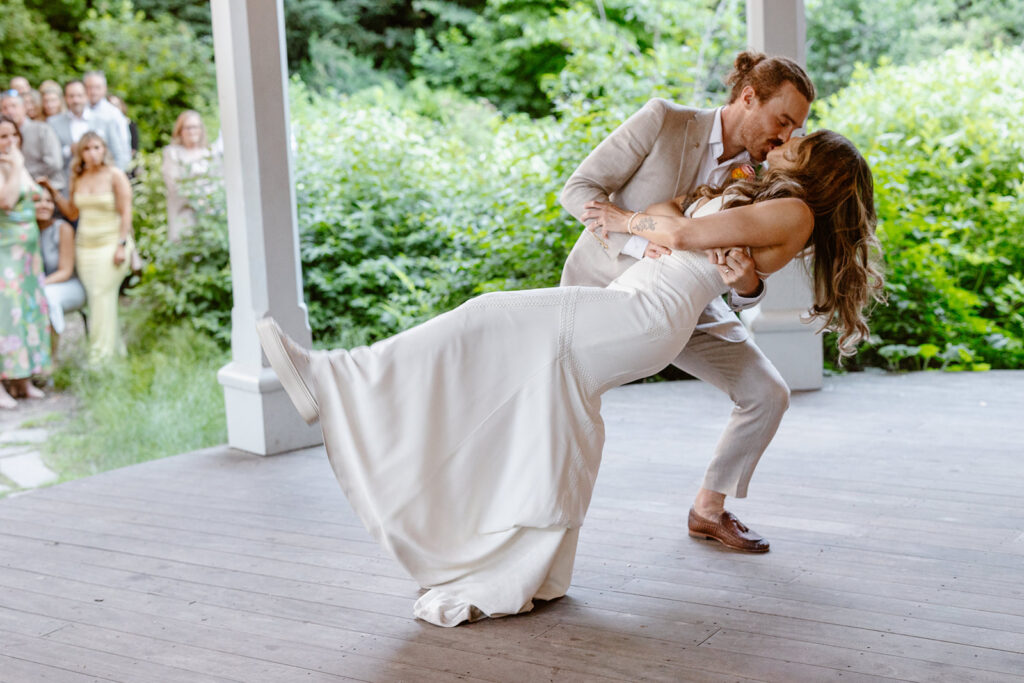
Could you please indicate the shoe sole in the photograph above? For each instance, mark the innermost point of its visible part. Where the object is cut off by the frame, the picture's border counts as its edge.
(705, 537)
(270, 339)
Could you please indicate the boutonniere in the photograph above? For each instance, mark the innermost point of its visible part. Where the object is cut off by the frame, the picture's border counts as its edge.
(746, 172)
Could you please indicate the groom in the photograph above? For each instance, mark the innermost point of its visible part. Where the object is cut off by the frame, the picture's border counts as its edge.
(665, 151)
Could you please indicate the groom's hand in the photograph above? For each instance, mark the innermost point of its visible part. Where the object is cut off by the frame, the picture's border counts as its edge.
(737, 269)
(604, 217)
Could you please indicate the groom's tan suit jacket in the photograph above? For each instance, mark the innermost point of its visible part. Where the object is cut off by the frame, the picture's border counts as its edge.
(653, 157)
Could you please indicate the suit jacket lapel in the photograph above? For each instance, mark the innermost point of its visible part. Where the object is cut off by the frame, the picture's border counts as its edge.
(695, 144)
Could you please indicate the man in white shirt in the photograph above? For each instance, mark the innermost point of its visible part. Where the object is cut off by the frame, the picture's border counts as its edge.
(96, 91)
(72, 124)
(666, 151)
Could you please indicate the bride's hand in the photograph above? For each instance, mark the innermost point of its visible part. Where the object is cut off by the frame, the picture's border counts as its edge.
(604, 217)
(656, 250)
(737, 268)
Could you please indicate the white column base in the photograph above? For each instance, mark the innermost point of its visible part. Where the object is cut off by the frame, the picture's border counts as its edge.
(779, 328)
(793, 346)
(261, 418)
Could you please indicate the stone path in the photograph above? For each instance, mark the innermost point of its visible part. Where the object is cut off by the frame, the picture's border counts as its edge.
(25, 429)
(22, 433)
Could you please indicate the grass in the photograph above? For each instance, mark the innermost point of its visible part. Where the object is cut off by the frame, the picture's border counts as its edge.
(45, 420)
(163, 399)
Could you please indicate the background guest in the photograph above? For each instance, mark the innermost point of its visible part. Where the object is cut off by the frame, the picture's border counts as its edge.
(133, 130)
(21, 84)
(24, 328)
(187, 156)
(53, 98)
(100, 199)
(34, 106)
(72, 124)
(39, 143)
(64, 291)
(96, 92)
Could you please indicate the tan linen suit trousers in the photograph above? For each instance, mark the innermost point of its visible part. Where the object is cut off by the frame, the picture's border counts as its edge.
(653, 157)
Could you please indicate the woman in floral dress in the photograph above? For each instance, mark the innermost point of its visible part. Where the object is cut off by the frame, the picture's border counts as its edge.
(24, 331)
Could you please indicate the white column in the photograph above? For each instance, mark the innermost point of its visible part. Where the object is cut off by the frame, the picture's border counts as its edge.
(252, 86)
(778, 27)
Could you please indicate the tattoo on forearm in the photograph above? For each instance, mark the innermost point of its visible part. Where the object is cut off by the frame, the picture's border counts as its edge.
(645, 224)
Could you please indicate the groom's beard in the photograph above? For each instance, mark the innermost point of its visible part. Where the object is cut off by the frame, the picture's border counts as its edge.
(756, 142)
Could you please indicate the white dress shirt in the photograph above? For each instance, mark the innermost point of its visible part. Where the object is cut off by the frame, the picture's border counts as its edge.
(105, 109)
(712, 172)
(79, 125)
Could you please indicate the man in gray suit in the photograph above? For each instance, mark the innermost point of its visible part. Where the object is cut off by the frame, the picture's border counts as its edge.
(72, 124)
(39, 144)
(665, 151)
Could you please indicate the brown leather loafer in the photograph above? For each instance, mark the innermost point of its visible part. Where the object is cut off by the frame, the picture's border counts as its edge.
(727, 530)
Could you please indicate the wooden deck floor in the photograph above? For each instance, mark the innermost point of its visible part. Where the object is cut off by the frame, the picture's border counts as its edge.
(894, 504)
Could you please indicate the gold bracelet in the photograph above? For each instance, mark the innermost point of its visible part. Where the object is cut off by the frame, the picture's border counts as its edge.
(629, 223)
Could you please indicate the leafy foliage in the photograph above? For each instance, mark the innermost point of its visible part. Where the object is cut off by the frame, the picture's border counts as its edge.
(156, 66)
(31, 48)
(946, 150)
(525, 55)
(843, 33)
(186, 282)
(409, 202)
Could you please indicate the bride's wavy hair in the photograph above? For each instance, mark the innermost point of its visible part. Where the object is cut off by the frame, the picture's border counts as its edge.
(834, 180)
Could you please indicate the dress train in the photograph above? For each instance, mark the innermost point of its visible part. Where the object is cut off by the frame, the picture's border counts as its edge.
(469, 445)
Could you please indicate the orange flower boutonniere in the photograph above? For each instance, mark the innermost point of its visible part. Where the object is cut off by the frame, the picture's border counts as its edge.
(745, 172)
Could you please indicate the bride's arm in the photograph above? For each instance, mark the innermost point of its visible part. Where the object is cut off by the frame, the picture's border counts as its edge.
(670, 208)
(780, 227)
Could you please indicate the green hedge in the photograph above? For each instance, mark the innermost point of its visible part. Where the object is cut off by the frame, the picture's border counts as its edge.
(409, 202)
(412, 200)
(947, 149)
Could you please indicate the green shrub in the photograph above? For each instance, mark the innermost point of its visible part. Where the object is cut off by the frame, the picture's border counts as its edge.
(409, 202)
(843, 33)
(189, 281)
(946, 147)
(30, 47)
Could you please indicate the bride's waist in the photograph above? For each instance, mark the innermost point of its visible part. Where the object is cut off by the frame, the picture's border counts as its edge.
(682, 271)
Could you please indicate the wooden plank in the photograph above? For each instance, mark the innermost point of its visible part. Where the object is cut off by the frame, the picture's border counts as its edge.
(313, 627)
(213, 532)
(865, 638)
(906, 567)
(17, 670)
(737, 644)
(168, 641)
(620, 665)
(50, 659)
(332, 569)
(611, 646)
(937, 622)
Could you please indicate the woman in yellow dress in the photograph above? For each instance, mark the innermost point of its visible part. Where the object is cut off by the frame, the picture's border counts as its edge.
(101, 200)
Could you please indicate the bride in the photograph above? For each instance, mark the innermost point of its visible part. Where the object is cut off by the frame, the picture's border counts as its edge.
(469, 445)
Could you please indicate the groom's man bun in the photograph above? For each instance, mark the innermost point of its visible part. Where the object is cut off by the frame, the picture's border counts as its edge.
(766, 75)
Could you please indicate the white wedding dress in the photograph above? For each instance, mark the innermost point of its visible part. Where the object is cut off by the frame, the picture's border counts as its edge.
(469, 445)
